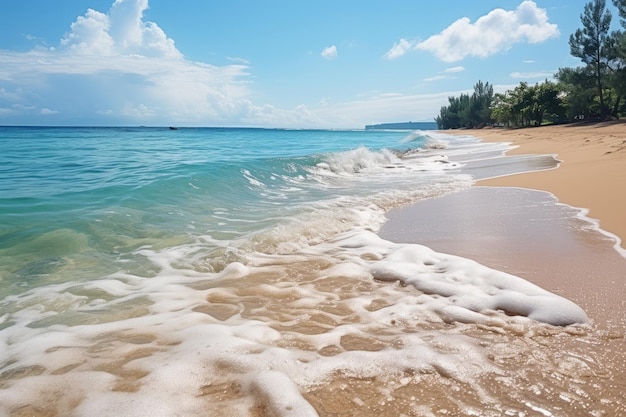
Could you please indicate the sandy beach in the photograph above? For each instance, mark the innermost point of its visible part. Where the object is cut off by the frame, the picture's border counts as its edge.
(592, 174)
(550, 238)
(531, 234)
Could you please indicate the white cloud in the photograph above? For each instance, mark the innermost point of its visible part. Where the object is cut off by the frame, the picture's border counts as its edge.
(369, 109)
(329, 52)
(495, 32)
(238, 60)
(378, 108)
(23, 107)
(399, 49)
(90, 35)
(535, 74)
(121, 31)
(435, 78)
(454, 70)
(115, 68)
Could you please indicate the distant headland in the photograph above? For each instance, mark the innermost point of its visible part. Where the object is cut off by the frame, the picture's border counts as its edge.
(404, 126)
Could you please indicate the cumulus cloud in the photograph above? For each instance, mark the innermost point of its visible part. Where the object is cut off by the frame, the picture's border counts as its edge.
(122, 69)
(121, 31)
(329, 52)
(493, 33)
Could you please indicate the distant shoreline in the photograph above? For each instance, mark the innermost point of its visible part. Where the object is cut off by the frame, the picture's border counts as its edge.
(403, 126)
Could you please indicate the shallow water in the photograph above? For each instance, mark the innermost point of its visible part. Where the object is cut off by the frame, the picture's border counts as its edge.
(236, 271)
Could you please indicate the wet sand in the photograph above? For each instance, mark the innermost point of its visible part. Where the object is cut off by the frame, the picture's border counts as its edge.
(529, 233)
(592, 173)
(526, 233)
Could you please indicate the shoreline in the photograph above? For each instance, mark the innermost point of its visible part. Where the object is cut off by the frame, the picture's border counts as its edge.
(591, 172)
(557, 228)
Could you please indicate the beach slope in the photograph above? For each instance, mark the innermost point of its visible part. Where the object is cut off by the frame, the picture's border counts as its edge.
(592, 173)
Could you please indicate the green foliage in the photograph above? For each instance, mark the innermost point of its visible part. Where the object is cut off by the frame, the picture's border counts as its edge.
(578, 91)
(523, 106)
(618, 43)
(592, 44)
(528, 105)
(621, 9)
(467, 111)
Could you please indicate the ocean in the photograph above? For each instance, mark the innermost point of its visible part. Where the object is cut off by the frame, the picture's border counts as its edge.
(197, 271)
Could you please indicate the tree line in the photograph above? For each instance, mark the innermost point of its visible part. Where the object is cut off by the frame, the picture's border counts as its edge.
(596, 89)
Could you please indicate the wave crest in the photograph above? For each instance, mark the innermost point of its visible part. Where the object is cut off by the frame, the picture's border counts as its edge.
(354, 161)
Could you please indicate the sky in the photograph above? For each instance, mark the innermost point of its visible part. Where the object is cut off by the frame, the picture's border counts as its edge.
(273, 63)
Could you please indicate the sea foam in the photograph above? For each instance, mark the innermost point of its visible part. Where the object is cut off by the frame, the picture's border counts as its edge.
(265, 334)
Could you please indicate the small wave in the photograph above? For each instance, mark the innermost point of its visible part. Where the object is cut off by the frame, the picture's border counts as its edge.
(415, 136)
(435, 143)
(251, 179)
(324, 220)
(354, 161)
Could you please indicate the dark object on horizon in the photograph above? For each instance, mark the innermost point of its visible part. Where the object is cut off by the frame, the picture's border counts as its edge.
(173, 128)
(404, 126)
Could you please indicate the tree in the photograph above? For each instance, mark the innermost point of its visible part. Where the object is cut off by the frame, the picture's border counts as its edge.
(547, 102)
(449, 117)
(527, 105)
(467, 111)
(481, 104)
(501, 109)
(522, 100)
(621, 9)
(618, 38)
(591, 43)
(578, 89)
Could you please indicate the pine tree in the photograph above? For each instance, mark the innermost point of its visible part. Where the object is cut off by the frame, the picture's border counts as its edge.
(591, 43)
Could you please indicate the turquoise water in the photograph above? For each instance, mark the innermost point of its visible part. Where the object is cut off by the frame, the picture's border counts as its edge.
(148, 271)
(75, 203)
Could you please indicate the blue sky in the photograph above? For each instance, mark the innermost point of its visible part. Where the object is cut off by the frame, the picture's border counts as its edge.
(276, 63)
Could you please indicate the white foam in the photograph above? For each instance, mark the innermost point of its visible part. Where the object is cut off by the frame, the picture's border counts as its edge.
(283, 402)
(461, 282)
(354, 161)
(294, 322)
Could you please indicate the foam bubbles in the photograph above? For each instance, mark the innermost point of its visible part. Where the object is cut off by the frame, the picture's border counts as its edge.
(459, 282)
(354, 318)
(283, 402)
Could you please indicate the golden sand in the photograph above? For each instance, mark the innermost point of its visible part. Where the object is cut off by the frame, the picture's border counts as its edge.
(592, 174)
